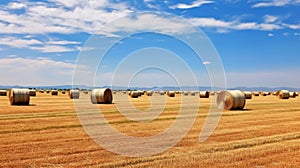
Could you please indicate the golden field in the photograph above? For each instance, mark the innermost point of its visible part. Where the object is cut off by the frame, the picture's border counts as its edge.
(48, 134)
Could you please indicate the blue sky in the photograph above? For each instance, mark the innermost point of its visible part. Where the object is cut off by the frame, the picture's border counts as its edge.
(257, 41)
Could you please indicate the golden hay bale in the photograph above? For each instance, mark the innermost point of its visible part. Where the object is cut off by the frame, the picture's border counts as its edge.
(134, 94)
(3, 93)
(264, 93)
(185, 93)
(101, 96)
(41, 91)
(171, 93)
(54, 92)
(19, 96)
(292, 94)
(86, 92)
(32, 93)
(255, 93)
(63, 92)
(193, 93)
(48, 91)
(149, 93)
(283, 94)
(231, 99)
(204, 94)
(74, 94)
(124, 92)
(248, 95)
(161, 92)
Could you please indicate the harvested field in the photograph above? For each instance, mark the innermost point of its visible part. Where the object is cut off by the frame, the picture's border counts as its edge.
(48, 134)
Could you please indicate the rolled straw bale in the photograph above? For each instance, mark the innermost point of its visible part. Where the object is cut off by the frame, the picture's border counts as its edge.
(86, 92)
(124, 92)
(292, 94)
(255, 93)
(204, 94)
(19, 96)
(63, 92)
(231, 99)
(283, 94)
(101, 96)
(149, 93)
(134, 94)
(3, 93)
(54, 92)
(74, 94)
(48, 91)
(171, 93)
(193, 93)
(248, 95)
(41, 91)
(32, 93)
(140, 92)
(161, 92)
(264, 93)
(185, 93)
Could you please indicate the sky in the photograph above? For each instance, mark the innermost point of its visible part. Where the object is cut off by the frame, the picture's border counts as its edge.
(249, 43)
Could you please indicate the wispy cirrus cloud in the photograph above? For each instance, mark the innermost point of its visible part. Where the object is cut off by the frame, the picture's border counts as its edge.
(276, 3)
(194, 4)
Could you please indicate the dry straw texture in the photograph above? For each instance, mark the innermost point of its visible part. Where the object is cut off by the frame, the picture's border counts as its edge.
(171, 93)
(204, 94)
(149, 93)
(3, 93)
(134, 94)
(19, 96)
(248, 95)
(293, 95)
(32, 93)
(255, 93)
(231, 100)
(101, 96)
(74, 94)
(54, 92)
(283, 94)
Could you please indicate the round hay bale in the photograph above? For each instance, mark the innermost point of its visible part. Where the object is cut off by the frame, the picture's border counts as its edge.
(41, 91)
(149, 93)
(86, 92)
(161, 92)
(264, 93)
(32, 93)
(63, 92)
(292, 94)
(48, 91)
(19, 96)
(231, 99)
(134, 94)
(193, 93)
(204, 94)
(3, 93)
(101, 96)
(185, 93)
(283, 94)
(54, 92)
(248, 95)
(74, 94)
(255, 93)
(171, 93)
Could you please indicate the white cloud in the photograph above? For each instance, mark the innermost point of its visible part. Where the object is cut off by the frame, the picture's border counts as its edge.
(52, 49)
(194, 4)
(286, 34)
(17, 42)
(206, 63)
(276, 3)
(270, 34)
(297, 34)
(235, 25)
(270, 19)
(15, 5)
(62, 42)
(37, 71)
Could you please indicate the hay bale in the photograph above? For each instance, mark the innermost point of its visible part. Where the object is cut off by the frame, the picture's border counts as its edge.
(161, 92)
(101, 96)
(48, 91)
(149, 93)
(185, 93)
(3, 93)
(19, 96)
(204, 94)
(255, 93)
(264, 93)
(41, 91)
(63, 92)
(283, 94)
(74, 94)
(171, 93)
(54, 92)
(193, 93)
(248, 95)
(134, 94)
(231, 99)
(86, 92)
(292, 94)
(32, 93)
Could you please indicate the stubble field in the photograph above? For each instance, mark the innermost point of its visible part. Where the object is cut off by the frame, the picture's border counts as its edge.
(48, 134)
